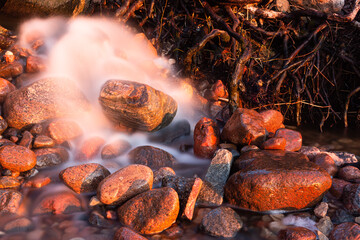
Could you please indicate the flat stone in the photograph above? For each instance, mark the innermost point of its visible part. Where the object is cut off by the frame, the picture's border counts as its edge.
(298, 233)
(6, 87)
(150, 212)
(275, 143)
(293, 139)
(17, 158)
(272, 119)
(38, 181)
(321, 210)
(153, 157)
(351, 198)
(9, 182)
(346, 231)
(62, 130)
(21, 224)
(10, 201)
(125, 233)
(206, 138)
(49, 157)
(42, 141)
(349, 173)
(84, 178)
(115, 149)
(89, 148)
(125, 184)
(325, 225)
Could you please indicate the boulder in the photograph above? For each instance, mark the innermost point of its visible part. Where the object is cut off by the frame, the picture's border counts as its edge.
(206, 138)
(136, 105)
(273, 120)
(293, 139)
(153, 157)
(6, 87)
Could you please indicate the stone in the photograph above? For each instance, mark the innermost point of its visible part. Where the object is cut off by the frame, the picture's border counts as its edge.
(218, 90)
(125, 233)
(249, 148)
(293, 139)
(188, 190)
(326, 162)
(10, 70)
(153, 157)
(321, 210)
(84, 178)
(38, 181)
(206, 138)
(276, 180)
(17, 158)
(346, 231)
(136, 105)
(162, 173)
(171, 133)
(45, 99)
(62, 130)
(21, 224)
(9, 182)
(244, 127)
(326, 6)
(272, 119)
(310, 151)
(9, 56)
(26, 140)
(115, 149)
(89, 148)
(349, 173)
(6, 87)
(125, 184)
(49, 157)
(276, 143)
(150, 212)
(342, 158)
(3, 125)
(35, 64)
(221, 222)
(42, 141)
(6, 142)
(351, 198)
(321, 236)
(98, 220)
(296, 233)
(212, 192)
(58, 203)
(325, 225)
(337, 187)
(341, 216)
(10, 201)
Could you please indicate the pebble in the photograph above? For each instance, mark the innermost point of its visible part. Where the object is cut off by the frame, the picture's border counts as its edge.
(349, 173)
(325, 225)
(17, 158)
(5, 88)
(42, 141)
(321, 210)
(337, 187)
(351, 198)
(325, 161)
(293, 139)
(21, 224)
(49, 157)
(206, 138)
(9, 182)
(296, 233)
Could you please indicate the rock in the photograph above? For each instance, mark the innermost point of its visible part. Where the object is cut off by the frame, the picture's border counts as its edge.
(49, 157)
(321, 210)
(249, 148)
(6, 142)
(206, 138)
(45, 99)
(293, 139)
(17, 158)
(296, 233)
(35, 64)
(325, 225)
(137, 106)
(218, 90)
(3, 125)
(37, 182)
(58, 203)
(9, 182)
(125, 184)
(6, 87)
(349, 173)
(171, 133)
(84, 178)
(221, 222)
(21, 224)
(272, 119)
(188, 190)
(351, 198)
(125, 233)
(98, 220)
(10, 201)
(115, 149)
(153, 157)
(276, 180)
(10, 70)
(64, 130)
(309, 151)
(89, 148)
(26, 140)
(42, 141)
(162, 173)
(346, 231)
(150, 212)
(341, 216)
(276, 143)
(326, 162)
(212, 191)
(337, 187)
(9, 56)
(244, 127)
(326, 6)
(342, 158)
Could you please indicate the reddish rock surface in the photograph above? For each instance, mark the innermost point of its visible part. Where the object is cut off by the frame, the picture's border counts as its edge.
(296, 233)
(37, 182)
(9, 182)
(125, 233)
(10, 201)
(137, 106)
(49, 157)
(35, 64)
(6, 87)
(293, 139)
(276, 143)
(349, 173)
(89, 148)
(64, 130)
(218, 90)
(125, 184)
(3, 125)
(10, 70)
(270, 181)
(21, 224)
(17, 158)
(84, 178)
(244, 127)
(153, 157)
(42, 141)
(115, 149)
(345, 231)
(337, 187)
(150, 212)
(26, 140)
(206, 138)
(326, 162)
(351, 198)
(273, 120)
(162, 173)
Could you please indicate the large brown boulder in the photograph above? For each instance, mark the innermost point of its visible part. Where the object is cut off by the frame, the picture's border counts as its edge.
(277, 182)
(45, 99)
(136, 105)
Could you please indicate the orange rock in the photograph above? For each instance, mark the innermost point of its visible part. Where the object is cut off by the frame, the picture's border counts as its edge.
(125, 233)
(17, 158)
(293, 139)
(90, 148)
(35, 64)
(42, 141)
(10, 201)
(276, 143)
(64, 130)
(299, 233)
(49, 157)
(9, 70)
(218, 90)
(273, 120)
(37, 182)
(6, 87)
(9, 182)
(115, 149)
(206, 138)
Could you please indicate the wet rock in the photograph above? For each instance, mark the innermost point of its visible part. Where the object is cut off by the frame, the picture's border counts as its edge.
(153, 157)
(89, 148)
(17, 158)
(212, 191)
(249, 148)
(125, 184)
(321, 210)
(342, 158)
(49, 157)
(293, 139)
(97, 219)
(58, 203)
(276, 143)
(84, 178)
(42, 141)
(35, 64)
(337, 187)
(341, 216)
(64, 130)
(45, 99)
(125, 233)
(276, 180)
(10, 201)
(37, 181)
(115, 149)
(221, 222)
(325, 225)
(6, 87)
(10, 70)
(171, 133)
(22, 224)
(162, 173)
(150, 212)
(326, 162)
(3, 125)
(273, 120)
(346, 231)
(26, 140)
(206, 138)
(9, 56)
(188, 190)
(296, 233)
(9, 182)
(310, 151)
(218, 90)
(137, 106)
(245, 127)
(351, 198)
(349, 173)
(6, 142)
